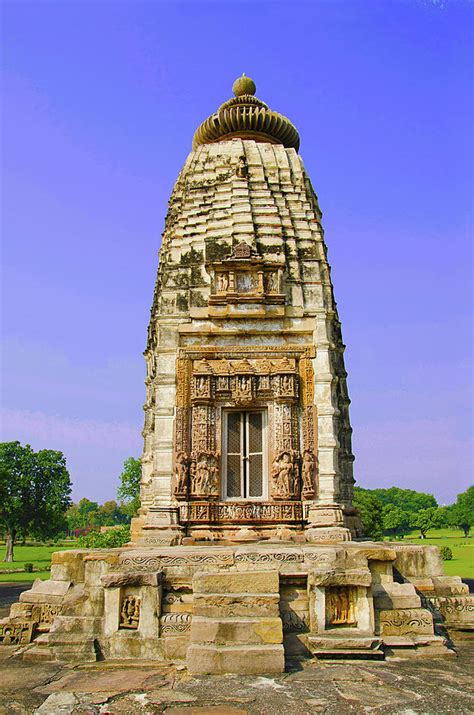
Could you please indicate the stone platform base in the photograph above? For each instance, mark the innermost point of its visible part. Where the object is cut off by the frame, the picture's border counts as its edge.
(241, 608)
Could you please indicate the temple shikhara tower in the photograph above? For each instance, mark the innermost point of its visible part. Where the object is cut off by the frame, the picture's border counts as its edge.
(247, 431)
(246, 548)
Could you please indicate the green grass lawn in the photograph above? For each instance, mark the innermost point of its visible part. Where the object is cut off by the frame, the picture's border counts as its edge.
(39, 556)
(462, 563)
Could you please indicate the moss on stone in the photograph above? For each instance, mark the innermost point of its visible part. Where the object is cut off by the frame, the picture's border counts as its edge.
(182, 302)
(217, 250)
(192, 257)
(196, 299)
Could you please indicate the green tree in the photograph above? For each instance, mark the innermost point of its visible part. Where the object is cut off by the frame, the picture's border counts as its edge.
(426, 519)
(396, 521)
(110, 514)
(370, 510)
(406, 499)
(83, 514)
(461, 514)
(34, 492)
(129, 489)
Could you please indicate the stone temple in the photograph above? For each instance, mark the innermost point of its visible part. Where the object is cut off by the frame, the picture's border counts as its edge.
(247, 547)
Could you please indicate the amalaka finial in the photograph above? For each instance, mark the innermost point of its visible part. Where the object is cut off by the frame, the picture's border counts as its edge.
(243, 85)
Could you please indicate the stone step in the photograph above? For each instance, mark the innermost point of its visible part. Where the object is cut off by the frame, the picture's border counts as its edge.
(223, 631)
(38, 653)
(233, 582)
(242, 659)
(349, 646)
(236, 626)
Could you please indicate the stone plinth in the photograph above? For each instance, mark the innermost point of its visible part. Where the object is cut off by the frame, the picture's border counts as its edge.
(210, 605)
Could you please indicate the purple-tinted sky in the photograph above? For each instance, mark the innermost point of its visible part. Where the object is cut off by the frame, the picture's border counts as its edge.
(101, 100)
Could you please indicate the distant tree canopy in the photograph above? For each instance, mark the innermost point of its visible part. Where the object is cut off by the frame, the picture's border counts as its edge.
(461, 514)
(370, 511)
(408, 500)
(88, 514)
(395, 512)
(129, 489)
(34, 492)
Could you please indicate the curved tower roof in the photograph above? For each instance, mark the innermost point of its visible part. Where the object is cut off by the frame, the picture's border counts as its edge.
(246, 117)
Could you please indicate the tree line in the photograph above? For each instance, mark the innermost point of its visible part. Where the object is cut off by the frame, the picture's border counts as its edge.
(35, 501)
(396, 512)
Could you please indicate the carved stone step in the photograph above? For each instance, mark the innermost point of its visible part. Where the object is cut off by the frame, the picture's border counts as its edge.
(222, 631)
(348, 646)
(242, 659)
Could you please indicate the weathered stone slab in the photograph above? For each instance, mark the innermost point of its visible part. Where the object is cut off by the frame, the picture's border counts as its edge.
(347, 577)
(244, 659)
(449, 586)
(236, 630)
(46, 592)
(458, 611)
(113, 580)
(343, 642)
(236, 582)
(395, 595)
(410, 621)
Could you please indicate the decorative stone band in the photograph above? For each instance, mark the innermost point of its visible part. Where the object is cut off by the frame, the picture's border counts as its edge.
(149, 562)
(235, 512)
(172, 624)
(317, 558)
(404, 622)
(457, 611)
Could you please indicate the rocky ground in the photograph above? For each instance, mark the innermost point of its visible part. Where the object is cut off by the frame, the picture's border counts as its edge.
(415, 687)
(434, 686)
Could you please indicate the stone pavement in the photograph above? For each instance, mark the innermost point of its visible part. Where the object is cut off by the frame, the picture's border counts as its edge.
(423, 686)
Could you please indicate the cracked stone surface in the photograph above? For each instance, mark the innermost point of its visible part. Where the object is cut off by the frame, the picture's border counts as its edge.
(435, 686)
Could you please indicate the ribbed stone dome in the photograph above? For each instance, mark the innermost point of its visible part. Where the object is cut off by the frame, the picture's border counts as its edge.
(247, 117)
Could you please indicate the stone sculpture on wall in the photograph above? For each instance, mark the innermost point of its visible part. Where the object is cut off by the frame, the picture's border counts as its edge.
(284, 475)
(307, 473)
(181, 474)
(340, 606)
(204, 475)
(130, 612)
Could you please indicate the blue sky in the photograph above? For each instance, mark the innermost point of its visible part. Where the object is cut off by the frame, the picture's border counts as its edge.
(101, 99)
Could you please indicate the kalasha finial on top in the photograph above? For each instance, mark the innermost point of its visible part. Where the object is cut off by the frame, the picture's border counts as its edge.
(244, 85)
(247, 117)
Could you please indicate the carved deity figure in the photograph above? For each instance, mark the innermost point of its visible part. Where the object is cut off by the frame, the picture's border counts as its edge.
(243, 387)
(283, 475)
(181, 473)
(271, 280)
(286, 385)
(307, 472)
(201, 387)
(130, 612)
(204, 475)
(340, 606)
(222, 282)
(242, 170)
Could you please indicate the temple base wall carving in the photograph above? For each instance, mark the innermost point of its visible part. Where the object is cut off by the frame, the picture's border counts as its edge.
(202, 603)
